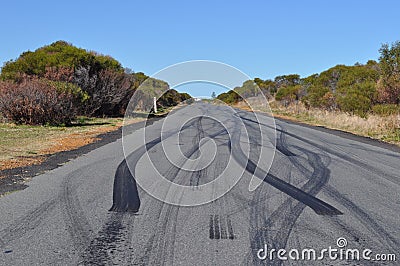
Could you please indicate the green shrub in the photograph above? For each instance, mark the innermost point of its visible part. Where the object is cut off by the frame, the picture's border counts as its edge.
(60, 55)
(69, 88)
(170, 98)
(230, 97)
(354, 103)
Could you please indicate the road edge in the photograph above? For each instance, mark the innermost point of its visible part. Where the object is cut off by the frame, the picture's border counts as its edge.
(337, 132)
(14, 179)
(344, 134)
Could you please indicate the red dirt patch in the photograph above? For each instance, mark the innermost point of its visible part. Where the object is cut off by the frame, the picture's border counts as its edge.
(65, 143)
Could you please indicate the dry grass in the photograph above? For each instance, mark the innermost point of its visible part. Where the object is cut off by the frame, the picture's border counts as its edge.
(386, 128)
(22, 145)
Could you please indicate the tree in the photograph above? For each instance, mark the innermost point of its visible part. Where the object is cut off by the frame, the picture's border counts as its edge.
(248, 89)
(56, 55)
(213, 95)
(287, 80)
(268, 87)
(348, 88)
(288, 94)
(389, 83)
(230, 97)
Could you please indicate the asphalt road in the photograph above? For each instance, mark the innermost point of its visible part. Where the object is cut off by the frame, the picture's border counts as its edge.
(320, 187)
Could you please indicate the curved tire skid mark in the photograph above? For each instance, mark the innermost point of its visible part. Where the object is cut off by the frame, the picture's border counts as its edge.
(281, 144)
(285, 216)
(257, 220)
(115, 232)
(102, 248)
(195, 178)
(74, 216)
(34, 218)
(75, 219)
(344, 156)
(319, 206)
(165, 251)
(380, 233)
(351, 160)
(37, 216)
(27, 223)
(165, 248)
(166, 232)
(165, 238)
(125, 193)
(383, 236)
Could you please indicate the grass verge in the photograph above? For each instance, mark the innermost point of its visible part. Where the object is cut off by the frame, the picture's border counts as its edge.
(22, 145)
(384, 128)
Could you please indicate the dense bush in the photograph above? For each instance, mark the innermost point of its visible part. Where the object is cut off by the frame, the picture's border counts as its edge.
(91, 84)
(59, 54)
(341, 87)
(230, 97)
(109, 91)
(386, 109)
(248, 89)
(267, 87)
(185, 96)
(354, 103)
(358, 89)
(39, 101)
(318, 97)
(171, 98)
(107, 87)
(389, 83)
(288, 94)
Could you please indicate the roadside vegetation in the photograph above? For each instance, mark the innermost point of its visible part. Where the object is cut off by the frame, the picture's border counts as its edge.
(363, 99)
(60, 97)
(22, 145)
(56, 83)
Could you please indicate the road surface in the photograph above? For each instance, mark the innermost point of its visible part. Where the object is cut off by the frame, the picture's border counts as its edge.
(320, 187)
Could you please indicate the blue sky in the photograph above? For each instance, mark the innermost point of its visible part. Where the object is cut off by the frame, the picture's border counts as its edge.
(261, 38)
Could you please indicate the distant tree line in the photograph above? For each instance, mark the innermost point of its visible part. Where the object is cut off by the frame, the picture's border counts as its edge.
(359, 89)
(55, 83)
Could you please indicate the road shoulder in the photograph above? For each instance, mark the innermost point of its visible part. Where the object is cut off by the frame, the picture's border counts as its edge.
(14, 179)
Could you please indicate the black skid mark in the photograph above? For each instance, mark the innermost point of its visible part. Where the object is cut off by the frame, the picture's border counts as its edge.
(126, 196)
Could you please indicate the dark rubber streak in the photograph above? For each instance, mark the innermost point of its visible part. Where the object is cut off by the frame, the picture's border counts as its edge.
(223, 228)
(319, 206)
(230, 229)
(212, 236)
(216, 226)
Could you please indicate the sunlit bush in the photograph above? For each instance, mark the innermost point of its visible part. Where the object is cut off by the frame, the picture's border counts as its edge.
(36, 101)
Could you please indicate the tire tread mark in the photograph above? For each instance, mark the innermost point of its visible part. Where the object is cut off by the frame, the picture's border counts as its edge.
(212, 235)
(76, 222)
(361, 215)
(27, 223)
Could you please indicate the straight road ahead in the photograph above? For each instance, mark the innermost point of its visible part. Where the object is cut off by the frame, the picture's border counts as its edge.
(320, 187)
